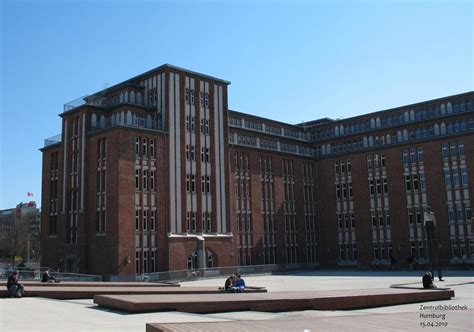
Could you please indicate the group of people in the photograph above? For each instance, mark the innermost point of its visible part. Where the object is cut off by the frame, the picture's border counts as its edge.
(235, 284)
(16, 289)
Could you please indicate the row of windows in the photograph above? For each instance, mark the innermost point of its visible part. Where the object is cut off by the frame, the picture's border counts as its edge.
(147, 224)
(343, 166)
(393, 120)
(145, 182)
(380, 253)
(190, 97)
(412, 156)
(377, 187)
(205, 183)
(454, 178)
(148, 264)
(191, 153)
(375, 161)
(401, 136)
(348, 252)
(415, 182)
(346, 220)
(459, 214)
(344, 191)
(453, 150)
(147, 147)
(380, 219)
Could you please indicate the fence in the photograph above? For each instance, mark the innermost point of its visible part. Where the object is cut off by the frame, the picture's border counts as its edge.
(30, 273)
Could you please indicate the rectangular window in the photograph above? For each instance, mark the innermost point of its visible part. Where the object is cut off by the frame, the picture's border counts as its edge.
(350, 189)
(420, 155)
(407, 183)
(137, 179)
(415, 181)
(451, 214)
(338, 191)
(344, 191)
(468, 214)
(152, 148)
(405, 157)
(137, 220)
(374, 220)
(353, 225)
(152, 220)
(137, 146)
(188, 183)
(382, 160)
(188, 152)
(460, 215)
(423, 182)
(387, 219)
(152, 180)
(445, 151)
(385, 186)
(413, 156)
(379, 187)
(349, 166)
(192, 129)
(193, 183)
(339, 221)
(144, 150)
(369, 163)
(455, 178)
(343, 167)
(145, 220)
(145, 178)
(447, 178)
(464, 176)
(187, 123)
(336, 167)
(371, 188)
(376, 251)
(461, 148)
(418, 217)
(454, 150)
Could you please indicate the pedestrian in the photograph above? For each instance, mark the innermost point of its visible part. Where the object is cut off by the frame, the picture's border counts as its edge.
(15, 289)
(229, 283)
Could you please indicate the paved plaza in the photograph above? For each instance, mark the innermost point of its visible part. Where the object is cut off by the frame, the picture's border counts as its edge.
(39, 314)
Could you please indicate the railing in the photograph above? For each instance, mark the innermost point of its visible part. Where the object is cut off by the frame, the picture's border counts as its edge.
(27, 273)
(141, 123)
(52, 140)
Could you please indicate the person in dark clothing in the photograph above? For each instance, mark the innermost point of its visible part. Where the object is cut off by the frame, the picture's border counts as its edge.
(428, 281)
(229, 283)
(15, 289)
(48, 278)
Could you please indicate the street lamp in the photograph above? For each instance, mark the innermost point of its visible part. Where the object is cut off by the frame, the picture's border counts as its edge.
(430, 229)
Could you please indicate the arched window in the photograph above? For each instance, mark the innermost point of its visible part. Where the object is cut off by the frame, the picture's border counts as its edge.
(405, 135)
(371, 141)
(341, 130)
(139, 98)
(372, 123)
(365, 142)
(328, 148)
(129, 118)
(336, 131)
(377, 122)
(388, 139)
(449, 108)
(132, 97)
(399, 136)
(126, 97)
(443, 109)
(102, 121)
(412, 115)
(406, 117)
(323, 150)
(121, 97)
(93, 120)
(113, 119)
(148, 121)
(436, 129)
(192, 261)
(443, 128)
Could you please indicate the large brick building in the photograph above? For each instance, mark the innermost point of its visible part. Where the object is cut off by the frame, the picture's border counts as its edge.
(156, 174)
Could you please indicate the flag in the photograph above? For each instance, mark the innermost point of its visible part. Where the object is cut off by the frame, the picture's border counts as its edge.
(29, 194)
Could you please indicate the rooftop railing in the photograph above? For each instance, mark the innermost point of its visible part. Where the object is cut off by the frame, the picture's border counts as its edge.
(52, 140)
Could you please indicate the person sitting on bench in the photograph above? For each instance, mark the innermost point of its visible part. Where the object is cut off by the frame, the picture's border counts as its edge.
(239, 284)
(48, 278)
(229, 283)
(15, 289)
(428, 281)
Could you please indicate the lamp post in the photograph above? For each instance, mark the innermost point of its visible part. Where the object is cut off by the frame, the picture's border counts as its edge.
(430, 228)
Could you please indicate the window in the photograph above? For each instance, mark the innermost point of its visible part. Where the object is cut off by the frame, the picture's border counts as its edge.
(144, 150)
(468, 213)
(137, 146)
(455, 178)
(145, 176)
(387, 219)
(187, 95)
(152, 220)
(349, 166)
(413, 156)
(415, 181)
(152, 180)
(338, 191)
(343, 167)
(385, 186)
(451, 214)
(405, 157)
(420, 155)
(191, 99)
(454, 150)
(460, 215)
(444, 151)
(407, 183)
(376, 251)
(418, 217)
(137, 220)
(344, 191)
(187, 123)
(374, 220)
(369, 162)
(382, 160)
(336, 167)
(447, 179)
(339, 221)
(192, 128)
(152, 148)
(350, 189)
(137, 179)
(145, 220)
(201, 98)
(371, 188)
(461, 149)
(423, 182)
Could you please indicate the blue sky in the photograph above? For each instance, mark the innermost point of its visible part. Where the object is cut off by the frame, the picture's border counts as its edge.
(287, 60)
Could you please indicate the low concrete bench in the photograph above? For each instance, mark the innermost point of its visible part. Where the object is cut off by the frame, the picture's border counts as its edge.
(58, 292)
(273, 302)
(31, 283)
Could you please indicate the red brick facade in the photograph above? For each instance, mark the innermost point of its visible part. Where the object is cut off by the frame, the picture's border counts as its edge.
(156, 174)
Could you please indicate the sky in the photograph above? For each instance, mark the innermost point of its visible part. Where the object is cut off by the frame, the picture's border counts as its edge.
(290, 61)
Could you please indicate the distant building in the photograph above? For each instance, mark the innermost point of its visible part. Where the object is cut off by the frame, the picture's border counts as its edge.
(156, 174)
(19, 232)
